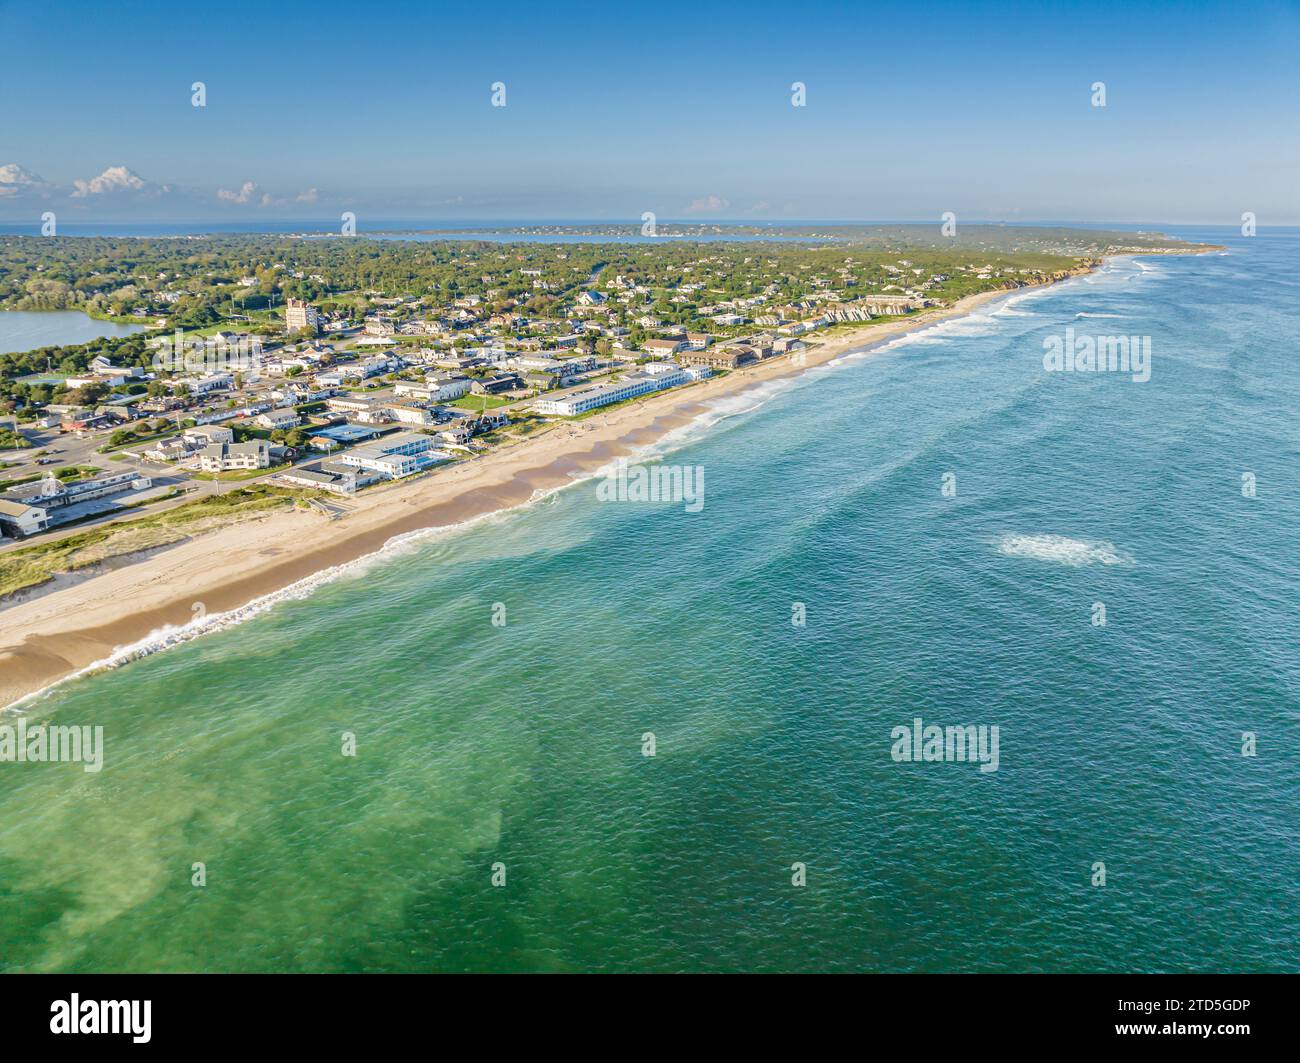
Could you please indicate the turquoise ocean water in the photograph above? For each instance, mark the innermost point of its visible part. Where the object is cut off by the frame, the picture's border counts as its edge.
(521, 745)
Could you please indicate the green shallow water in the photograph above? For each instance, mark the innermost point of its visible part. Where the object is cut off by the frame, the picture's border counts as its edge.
(522, 745)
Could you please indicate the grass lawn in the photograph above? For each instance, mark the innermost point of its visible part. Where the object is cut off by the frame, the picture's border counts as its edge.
(18, 481)
(476, 402)
(138, 440)
(73, 473)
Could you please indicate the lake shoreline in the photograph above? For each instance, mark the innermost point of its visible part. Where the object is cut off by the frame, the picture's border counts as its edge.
(84, 329)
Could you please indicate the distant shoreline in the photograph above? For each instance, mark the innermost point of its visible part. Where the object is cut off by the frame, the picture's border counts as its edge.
(50, 637)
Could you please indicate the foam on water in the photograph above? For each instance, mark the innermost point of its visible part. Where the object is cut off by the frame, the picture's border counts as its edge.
(981, 322)
(171, 635)
(1062, 550)
(716, 411)
(521, 741)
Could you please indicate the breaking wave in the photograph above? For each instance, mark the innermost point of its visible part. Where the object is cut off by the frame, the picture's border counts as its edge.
(171, 635)
(1063, 550)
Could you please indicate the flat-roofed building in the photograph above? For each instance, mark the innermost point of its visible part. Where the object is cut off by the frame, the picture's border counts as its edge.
(719, 357)
(495, 385)
(332, 476)
(203, 434)
(405, 413)
(580, 400)
(397, 455)
(51, 493)
(368, 411)
(341, 435)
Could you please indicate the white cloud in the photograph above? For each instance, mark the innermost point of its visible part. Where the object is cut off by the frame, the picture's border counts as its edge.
(113, 180)
(245, 193)
(707, 205)
(16, 180)
(248, 193)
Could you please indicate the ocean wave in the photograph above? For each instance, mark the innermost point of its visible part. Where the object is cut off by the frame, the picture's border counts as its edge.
(986, 320)
(1063, 550)
(169, 635)
(1012, 306)
(716, 411)
(1085, 313)
(969, 327)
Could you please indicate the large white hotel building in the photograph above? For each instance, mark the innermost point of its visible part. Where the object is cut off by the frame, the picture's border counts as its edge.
(654, 377)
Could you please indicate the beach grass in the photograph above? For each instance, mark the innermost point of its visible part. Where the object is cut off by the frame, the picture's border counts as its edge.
(32, 565)
(235, 475)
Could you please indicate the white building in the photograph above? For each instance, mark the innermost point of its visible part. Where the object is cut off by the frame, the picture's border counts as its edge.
(276, 419)
(397, 455)
(168, 450)
(206, 384)
(406, 414)
(203, 434)
(329, 476)
(19, 519)
(434, 389)
(581, 400)
(667, 374)
(224, 457)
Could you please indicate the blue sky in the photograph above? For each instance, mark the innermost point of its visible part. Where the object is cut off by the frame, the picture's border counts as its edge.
(684, 110)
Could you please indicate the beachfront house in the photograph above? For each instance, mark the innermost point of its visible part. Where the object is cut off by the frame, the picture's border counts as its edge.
(227, 457)
(332, 476)
(21, 519)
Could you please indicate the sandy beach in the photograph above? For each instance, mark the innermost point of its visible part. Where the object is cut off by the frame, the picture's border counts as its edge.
(53, 635)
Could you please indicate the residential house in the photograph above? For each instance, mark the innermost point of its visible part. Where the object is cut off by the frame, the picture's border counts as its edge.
(495, 385)
(21, 519)
(224, 457)
(662, 348)
(277, 419)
